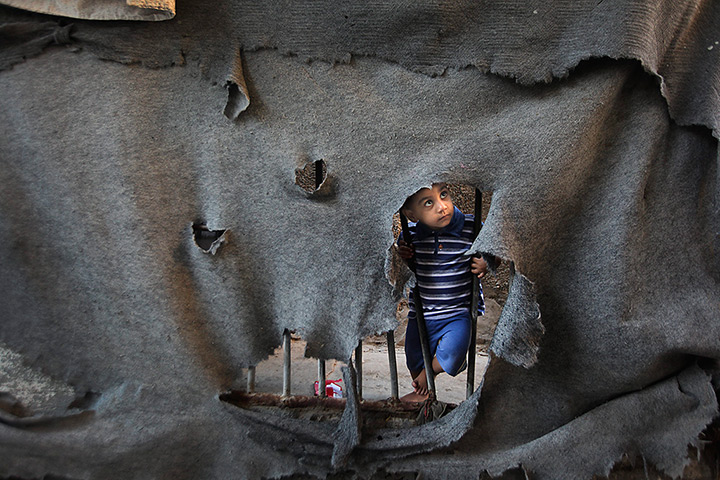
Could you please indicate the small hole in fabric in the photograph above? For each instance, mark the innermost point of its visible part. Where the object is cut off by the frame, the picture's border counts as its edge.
(311, 176)
(207, 240)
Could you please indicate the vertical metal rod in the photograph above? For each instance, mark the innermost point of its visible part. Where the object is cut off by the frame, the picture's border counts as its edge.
(512, 274)
(358, 369)
(392, 361)
(321, 378)
(470, 383)
(424, 343)
(251, 379)
(322, 392)
(420, 318)
(286, 363)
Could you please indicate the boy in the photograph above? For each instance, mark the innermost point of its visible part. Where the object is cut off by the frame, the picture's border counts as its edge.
(441, 236)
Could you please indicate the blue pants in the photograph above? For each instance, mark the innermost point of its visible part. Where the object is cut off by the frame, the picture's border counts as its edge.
(449, 342)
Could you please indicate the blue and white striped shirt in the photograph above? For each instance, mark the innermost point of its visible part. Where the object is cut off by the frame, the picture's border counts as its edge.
(443, 268)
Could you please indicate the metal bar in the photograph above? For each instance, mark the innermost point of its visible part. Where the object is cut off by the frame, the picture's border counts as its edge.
(322, 392)
(286, 363)
(424, 343)
(392, 361)
(420, 317)
(358, 369)
(251, 379)
(244, 400)
(470, 384)
(321, 378)
(512, 274)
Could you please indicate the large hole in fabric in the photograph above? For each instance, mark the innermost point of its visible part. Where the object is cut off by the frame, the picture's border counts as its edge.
(270, 391)
(494, 288)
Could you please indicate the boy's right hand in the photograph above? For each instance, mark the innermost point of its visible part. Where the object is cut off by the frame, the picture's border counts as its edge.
(406, 252)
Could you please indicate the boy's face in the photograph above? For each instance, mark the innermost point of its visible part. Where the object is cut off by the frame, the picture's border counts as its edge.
(431, 206)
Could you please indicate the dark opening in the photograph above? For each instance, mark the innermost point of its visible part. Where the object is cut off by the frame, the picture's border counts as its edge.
(205, 238)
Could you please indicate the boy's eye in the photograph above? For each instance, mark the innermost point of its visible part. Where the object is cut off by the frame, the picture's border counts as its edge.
(428, 203)
(444, 194)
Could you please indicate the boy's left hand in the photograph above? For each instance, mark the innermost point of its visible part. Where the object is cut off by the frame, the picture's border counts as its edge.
(478, 266)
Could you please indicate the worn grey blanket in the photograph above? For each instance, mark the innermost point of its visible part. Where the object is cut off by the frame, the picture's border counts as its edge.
(595, 124)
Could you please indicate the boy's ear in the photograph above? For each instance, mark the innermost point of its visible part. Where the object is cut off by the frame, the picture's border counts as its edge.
(409, 214)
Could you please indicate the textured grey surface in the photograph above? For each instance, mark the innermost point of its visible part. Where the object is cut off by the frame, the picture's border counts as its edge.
(605, 197)
(147, 10)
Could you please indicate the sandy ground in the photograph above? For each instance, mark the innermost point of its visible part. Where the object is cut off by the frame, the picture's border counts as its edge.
(375, 379)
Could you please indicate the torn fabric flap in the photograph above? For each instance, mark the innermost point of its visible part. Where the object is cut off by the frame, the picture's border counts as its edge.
(238, 96)
(23, 40)
(146, 10)
(657, 423)
(347, 435)
(519, 329)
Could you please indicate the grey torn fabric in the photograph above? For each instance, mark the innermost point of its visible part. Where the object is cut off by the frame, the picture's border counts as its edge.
(593, 123)
(148, 10)
(348, 432)
(520, 329)
(238, 96)
(22, 40)
(587, 441)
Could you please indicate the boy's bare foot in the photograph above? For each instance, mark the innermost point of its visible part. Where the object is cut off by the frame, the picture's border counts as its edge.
(420, 384)
(413, 397)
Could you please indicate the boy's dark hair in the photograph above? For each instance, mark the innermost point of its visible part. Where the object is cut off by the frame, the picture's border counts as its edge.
(406, 204)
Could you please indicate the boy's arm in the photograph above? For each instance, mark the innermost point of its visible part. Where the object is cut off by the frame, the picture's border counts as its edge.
(479, 266)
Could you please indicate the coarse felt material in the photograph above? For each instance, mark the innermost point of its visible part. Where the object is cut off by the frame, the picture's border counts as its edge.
(593, 123)
(148, 10)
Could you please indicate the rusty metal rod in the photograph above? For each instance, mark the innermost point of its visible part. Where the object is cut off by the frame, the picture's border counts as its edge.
(321, 378)
(286, 363)
(392, 361)
(474, 304)
(321, 362)
(251, 379)
(420, 317)
(358, 369)
(246, 400)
